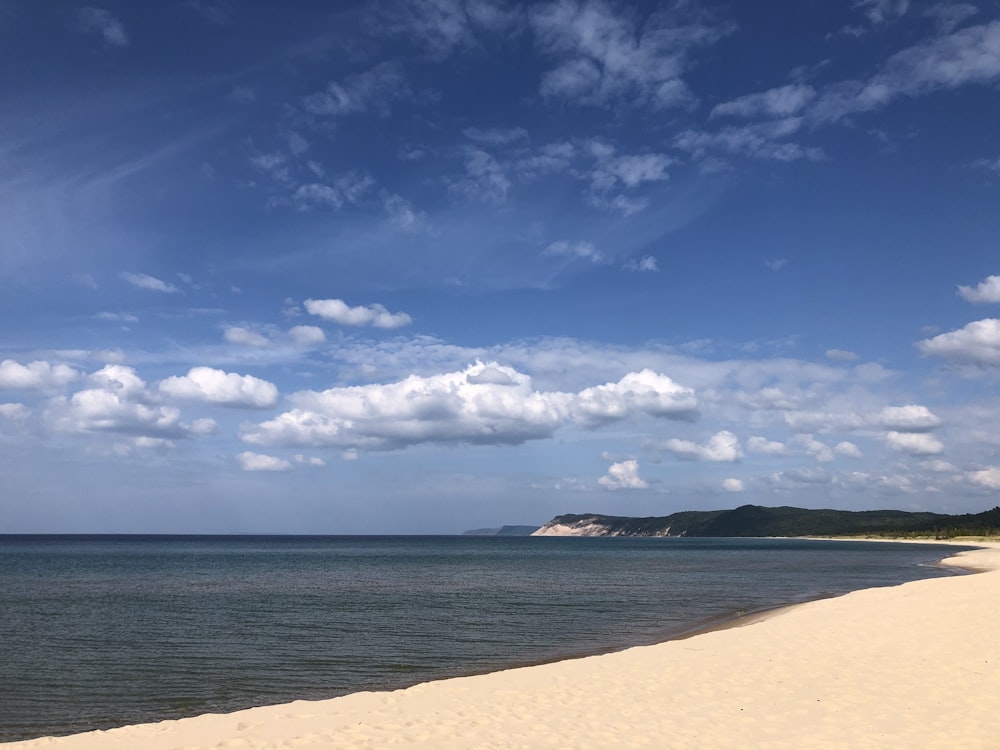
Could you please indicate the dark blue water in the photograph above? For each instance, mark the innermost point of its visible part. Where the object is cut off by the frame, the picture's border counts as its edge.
(98, 632)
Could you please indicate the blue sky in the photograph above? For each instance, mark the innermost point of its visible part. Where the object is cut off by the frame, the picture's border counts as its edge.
(433, 265)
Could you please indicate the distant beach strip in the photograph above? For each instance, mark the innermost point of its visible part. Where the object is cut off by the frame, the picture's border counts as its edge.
(913, 666)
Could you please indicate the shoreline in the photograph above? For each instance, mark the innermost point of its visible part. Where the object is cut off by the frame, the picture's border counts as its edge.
(687, 688)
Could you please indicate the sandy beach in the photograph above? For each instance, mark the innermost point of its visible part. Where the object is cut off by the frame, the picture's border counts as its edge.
(912, 666)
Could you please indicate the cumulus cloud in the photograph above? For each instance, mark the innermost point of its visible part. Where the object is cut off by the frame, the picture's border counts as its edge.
(909, 418)
(250, 461)
(307, 335)
(758, 444)
(100, 21)
(840, 355)
(646, 392)
(988, 478)
(914, 443)
(145, 281)
(778, 102)
(978, 343)
(245, 337)
(722, 446)
(38, 375)
(847, 448)
(486, 403)
(119, 402)
(987, 290)
(733, 485)
(623, 476)
(222, 388)
(815, 448)
(14, 412)
(339, 312)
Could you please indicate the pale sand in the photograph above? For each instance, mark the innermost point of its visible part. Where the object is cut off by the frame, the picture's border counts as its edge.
(911, 666)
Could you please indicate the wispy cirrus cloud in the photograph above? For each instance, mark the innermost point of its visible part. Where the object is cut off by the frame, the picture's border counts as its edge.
(105, 23)
(145, 281)
(604, 57)
(968, 56)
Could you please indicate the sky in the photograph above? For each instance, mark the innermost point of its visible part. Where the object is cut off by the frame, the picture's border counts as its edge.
(432, 265)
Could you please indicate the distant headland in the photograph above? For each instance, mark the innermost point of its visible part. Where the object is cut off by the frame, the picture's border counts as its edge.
(756, 520)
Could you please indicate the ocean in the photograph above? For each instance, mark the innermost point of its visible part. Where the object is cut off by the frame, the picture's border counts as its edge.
(98, 632)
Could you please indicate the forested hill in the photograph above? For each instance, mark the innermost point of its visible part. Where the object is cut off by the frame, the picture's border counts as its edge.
(755, 520)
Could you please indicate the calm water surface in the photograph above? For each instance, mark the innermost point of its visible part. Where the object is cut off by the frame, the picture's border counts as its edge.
(97, 632)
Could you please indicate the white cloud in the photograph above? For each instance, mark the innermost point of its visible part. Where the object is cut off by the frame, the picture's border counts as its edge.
(778, 102)
(630, 170)
(987, 291)
(645, 392)
(914, 443)
(374, 91)
(847, 448)
(100, 21)
(250, 461)
(602, 57)
(968, 56)
(119, 403)
(938, 465)
(757, 444)
(38, 375)
(733, 485)
(222, 388)
(841, 355)
(993, 165)
(584, 250)
(988, 478)
(348, 188)
(646, 264)
(813, 447)
(978, 343)
(623, 476)
(485, 179)
(373, 315)
(245, 337)
(950, 15)
(909, 418)
(307, 335)
(308, 460)
(496, 136)
(145, 281)
(776, 264)
(402, 213)
(723, 446)
(881, 11)
(486, 403)
(14, 412)
(764, 140)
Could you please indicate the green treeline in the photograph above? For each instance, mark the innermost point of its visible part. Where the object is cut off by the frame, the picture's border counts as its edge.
(755, 520)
